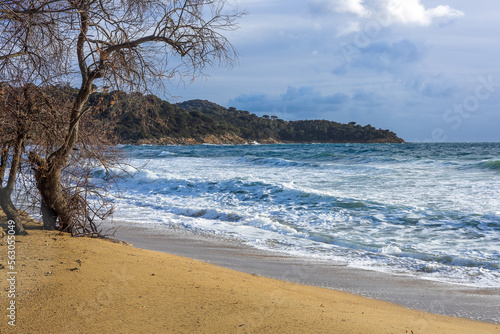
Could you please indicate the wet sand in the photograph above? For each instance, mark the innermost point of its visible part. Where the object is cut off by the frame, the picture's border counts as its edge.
(440, 298)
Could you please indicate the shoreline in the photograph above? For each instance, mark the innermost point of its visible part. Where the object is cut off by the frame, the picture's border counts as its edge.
(174, 141)
(480, 304)
(84, 285)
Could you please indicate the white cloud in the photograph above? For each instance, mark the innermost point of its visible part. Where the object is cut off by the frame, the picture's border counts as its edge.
(352, 6)
(408, 11)
(445, 11)
(413, 12)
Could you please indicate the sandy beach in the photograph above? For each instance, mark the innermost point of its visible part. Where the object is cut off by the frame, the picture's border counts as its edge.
(463, 301)
(82, 285)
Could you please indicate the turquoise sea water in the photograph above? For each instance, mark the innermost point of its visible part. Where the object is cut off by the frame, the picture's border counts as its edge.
(426, 210)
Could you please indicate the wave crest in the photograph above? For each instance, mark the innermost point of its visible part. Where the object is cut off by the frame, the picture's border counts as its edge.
(490, 164)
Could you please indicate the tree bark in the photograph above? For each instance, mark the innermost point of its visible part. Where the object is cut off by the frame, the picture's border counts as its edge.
(54, 205)
(49, 217)
(10, 210)
(6, 192)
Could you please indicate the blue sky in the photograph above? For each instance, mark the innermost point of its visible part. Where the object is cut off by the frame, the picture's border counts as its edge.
(427, 69)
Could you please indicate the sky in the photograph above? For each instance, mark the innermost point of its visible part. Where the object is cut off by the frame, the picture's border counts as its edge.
(428, 70)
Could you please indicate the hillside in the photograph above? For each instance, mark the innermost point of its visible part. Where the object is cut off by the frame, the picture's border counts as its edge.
(146, 119)
(252, 127)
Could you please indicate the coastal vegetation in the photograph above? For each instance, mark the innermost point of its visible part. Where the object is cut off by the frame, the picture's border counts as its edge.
(147, 119)
(251, 127)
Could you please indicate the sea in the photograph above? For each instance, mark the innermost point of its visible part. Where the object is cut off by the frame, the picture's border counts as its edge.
(426, 210)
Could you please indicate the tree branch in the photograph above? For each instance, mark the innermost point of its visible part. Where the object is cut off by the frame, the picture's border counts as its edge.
(146, 39)
(13, 55)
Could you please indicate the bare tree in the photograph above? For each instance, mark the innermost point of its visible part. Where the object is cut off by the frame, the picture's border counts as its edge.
(29, 117)
(11, 145)
(124, 44)
(30, 41)
(20, 109)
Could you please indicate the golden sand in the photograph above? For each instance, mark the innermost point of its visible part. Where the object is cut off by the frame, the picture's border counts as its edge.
(82, 285)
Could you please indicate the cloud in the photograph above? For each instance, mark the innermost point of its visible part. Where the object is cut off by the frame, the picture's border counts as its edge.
(352, 6)
(412, 109)
(349, 27)
(322, 7)
(295, 103)
(385, 12)
(413, 12)
(383, 56)
(436, 86)
(368, 99)
(363, 107)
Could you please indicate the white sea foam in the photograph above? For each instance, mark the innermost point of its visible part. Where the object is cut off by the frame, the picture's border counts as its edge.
(411, 208)
(165, 154)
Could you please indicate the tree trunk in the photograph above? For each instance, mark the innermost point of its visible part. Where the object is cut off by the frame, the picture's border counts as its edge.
(49, 217)
(54, 205)
(10, 210)
(48, 171)
(5, 192)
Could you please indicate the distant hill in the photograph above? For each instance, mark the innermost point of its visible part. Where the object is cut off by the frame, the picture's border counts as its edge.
(252, 127)
(146, 119)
